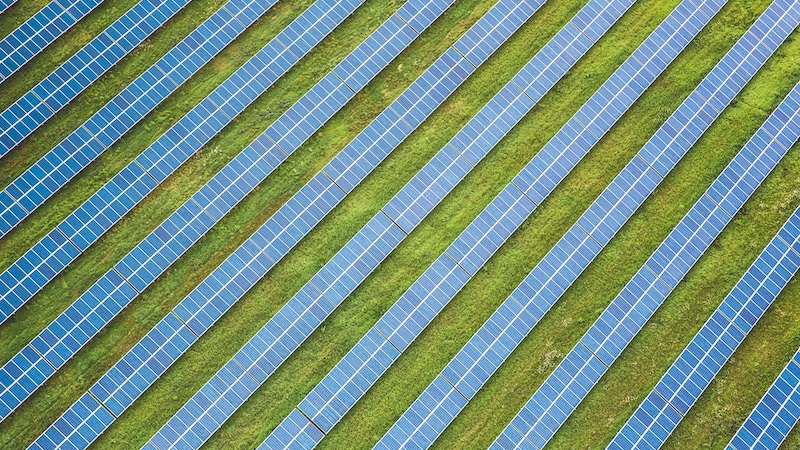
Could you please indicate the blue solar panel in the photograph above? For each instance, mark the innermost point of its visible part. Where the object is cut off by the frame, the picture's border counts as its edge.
(5, 4)
(335, 292)
(626, 315)
(506, 328)
(716, 341)
(774, 416)
(79, 426)
(117, 197)
(451, 271)
(249, 263)
(82, 69)
(367, 249)
(299, 433)
(39, 31)
(30, 190)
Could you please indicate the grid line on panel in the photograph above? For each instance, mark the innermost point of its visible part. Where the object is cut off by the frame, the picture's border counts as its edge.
(172, 312)
(100, 403)
(43, 357)
(125, 279)
(387, 340)
(193, 200)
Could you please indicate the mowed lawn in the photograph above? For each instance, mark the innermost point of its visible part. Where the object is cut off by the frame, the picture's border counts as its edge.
(710, 424)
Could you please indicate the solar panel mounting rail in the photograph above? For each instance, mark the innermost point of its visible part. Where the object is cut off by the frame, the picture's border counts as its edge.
(39, 31)
(686, 379)
(583, 366)
(82, 69)
(105, 127)
(124, 382)
(68, 240)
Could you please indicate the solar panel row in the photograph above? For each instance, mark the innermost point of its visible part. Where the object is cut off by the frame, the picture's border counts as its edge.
(82, 69)
(39, 31)
(30, 190)
(143, 364)
(148, 260)
(139, 178)
(583, 366)
(5, 4)
(198, 419)
(778, 411)
(461, 379)
(712, 346)
(121, 284)
(330, 400)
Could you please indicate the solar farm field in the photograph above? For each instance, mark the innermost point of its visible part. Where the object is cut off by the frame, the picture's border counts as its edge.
(559, 224)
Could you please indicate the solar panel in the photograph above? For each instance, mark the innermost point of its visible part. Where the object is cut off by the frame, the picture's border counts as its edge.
(142, 365)
(626, 315)
(517, 316)
(406, 319)
(84, 67)
(106, 298)
(347, 168)
(104, 208)
(341, 388)
(30, 190)
(774, 416)
(5, 4)
(712, 346)
(39, 31)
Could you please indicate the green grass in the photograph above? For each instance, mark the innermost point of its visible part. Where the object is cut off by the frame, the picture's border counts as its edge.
(709, 425)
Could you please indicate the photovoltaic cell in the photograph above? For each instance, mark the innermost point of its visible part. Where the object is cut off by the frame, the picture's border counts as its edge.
(30, 190)
(117, 197)
(5, 4)
(39, 31)
(82, 69)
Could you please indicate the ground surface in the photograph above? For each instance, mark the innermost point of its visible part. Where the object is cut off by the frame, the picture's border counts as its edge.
(710, 424)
